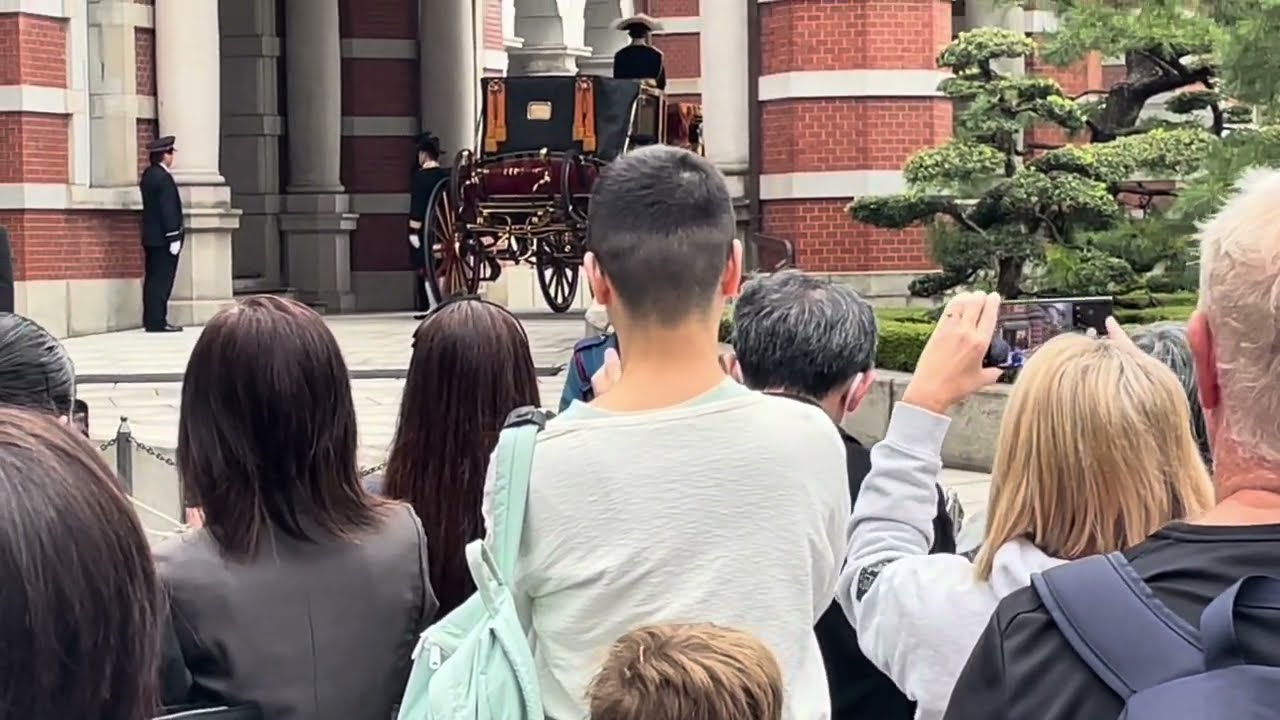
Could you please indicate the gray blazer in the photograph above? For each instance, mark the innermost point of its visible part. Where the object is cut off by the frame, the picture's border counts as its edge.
(308, 631)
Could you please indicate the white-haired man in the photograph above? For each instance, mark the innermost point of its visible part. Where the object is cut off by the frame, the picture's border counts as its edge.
(1024, 667)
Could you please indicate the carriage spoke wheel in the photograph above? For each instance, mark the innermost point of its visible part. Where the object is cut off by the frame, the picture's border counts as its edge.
(453, 266)
(557, 273)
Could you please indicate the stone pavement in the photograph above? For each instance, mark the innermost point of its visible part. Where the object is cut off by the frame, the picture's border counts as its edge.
(138, 375)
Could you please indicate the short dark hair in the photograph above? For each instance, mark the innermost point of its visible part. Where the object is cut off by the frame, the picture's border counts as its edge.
(661, 225)
(638, 30)
(801, 333)
(35, 369)
(267, 428)
(157, 156)
(82, 610)
(471, 367)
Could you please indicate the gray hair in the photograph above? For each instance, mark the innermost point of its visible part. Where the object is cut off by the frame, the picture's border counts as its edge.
(661, 226)
(1167, 342)
(802, 334)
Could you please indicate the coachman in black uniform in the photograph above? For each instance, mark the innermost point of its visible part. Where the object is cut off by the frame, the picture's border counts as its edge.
(640, 60)
(162, 235)
(427, 175)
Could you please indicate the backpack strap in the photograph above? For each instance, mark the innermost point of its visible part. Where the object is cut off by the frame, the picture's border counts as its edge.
(1217, 624)
(512, 462)
(1117, 626)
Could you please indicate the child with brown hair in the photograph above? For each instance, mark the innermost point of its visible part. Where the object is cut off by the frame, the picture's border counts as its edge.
(687, 672)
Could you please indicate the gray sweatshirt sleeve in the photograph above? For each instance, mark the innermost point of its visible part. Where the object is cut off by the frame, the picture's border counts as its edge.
(893, 515)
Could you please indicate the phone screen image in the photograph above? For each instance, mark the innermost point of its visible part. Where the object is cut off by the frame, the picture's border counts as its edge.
(1025, 325)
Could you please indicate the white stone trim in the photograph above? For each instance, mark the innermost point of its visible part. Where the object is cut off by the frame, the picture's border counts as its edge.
(851, 83)
(80, 156)
(141, 107)
(379, 49)
(496, 60)
(1113, 61)
(684, 86)
(45, 8)
(35, 99)
(379, 126)
(380, 203)
(53, 196)
(1040, 21)
(128, 14)
(680, 25)
(825, 185)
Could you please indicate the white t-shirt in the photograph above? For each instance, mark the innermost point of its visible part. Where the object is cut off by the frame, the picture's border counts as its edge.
(730, 508)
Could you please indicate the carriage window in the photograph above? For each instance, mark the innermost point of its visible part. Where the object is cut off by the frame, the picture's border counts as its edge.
(538, 110)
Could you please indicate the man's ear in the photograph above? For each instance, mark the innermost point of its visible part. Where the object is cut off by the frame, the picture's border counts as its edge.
(731, 282)
(858, 390)
(1205, 359)
(600, 288)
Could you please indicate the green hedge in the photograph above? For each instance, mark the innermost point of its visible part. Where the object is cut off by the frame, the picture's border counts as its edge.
(904, 331)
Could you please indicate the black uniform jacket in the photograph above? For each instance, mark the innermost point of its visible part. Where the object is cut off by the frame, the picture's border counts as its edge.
(6, 273)
(161, 208)
(425, 181)
(640, 62)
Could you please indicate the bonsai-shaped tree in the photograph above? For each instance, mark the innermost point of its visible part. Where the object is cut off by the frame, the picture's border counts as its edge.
(1024, 220)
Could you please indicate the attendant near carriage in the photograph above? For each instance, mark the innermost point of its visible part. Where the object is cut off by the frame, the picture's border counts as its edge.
(427, 174)
(640, 60)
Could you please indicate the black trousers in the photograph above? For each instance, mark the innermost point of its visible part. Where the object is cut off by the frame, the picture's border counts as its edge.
(160, 267)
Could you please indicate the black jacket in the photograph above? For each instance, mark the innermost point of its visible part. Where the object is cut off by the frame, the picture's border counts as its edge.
(422, 185)
(640, 62)
(6, 273)
(1023, 669)
(161, 207)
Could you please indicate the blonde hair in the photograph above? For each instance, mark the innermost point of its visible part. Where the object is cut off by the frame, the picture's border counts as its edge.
(1095, 453)
(687, 672)
(1240, 295)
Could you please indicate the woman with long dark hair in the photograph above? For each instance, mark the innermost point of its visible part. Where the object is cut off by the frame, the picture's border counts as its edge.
(81, 611)
(302, 593)
(471, 367)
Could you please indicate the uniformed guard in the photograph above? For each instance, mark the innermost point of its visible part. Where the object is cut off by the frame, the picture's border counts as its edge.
(640, 60)
(427, 175)
(162, 235)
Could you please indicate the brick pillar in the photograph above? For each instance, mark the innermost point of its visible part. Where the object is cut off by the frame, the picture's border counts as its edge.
(848, 92)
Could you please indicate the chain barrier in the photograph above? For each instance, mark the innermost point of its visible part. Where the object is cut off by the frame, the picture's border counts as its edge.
(124, 442)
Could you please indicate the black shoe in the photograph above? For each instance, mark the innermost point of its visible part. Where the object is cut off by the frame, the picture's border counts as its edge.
(165, 329)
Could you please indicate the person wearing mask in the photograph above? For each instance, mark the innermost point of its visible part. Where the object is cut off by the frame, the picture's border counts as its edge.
(471, 366)
(1095, 453)
(162, 234)
(677, 493)
(427, 176)
(814, 341)
(81, 612)
(302, 593)
(1023, 667)
(640, 60)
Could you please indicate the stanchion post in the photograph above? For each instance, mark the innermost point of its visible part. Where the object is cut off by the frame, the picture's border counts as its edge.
(124, 454)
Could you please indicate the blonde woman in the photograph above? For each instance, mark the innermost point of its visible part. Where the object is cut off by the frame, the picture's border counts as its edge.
(1095, 453)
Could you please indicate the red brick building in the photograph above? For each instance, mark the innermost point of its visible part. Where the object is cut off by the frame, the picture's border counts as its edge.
(295, 121)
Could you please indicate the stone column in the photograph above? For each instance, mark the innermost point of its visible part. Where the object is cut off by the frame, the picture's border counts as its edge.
(725, 106)
(251, 130)
(449, 72)
(995, 13)
(188, 103)
(602, 37)
(554, 37)
(318, 223)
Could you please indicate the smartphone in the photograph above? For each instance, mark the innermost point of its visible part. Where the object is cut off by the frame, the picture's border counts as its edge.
(80, 416)
(1025, 325)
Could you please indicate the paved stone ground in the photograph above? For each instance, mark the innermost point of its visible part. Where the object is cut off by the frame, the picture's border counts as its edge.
(138, 375)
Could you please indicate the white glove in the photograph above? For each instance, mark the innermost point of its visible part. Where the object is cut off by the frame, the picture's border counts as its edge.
(174, 247)
(416, 242)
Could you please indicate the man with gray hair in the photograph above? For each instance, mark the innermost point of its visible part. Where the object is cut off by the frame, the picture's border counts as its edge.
(1025, 668)
(814, 341)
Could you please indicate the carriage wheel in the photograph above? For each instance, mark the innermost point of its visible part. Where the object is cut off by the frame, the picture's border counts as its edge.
(557, 273)
(453, 260)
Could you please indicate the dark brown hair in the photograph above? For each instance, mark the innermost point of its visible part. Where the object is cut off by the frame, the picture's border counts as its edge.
(81, 612)
(267, 429)
(471, 367)
(687, 672)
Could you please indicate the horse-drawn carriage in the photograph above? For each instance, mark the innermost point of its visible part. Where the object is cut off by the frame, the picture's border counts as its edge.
(522, 195)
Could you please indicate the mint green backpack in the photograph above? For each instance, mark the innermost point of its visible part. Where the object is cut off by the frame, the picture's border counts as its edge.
(476, 664)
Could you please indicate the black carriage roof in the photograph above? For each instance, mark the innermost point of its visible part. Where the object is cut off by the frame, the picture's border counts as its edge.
(539, 113)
